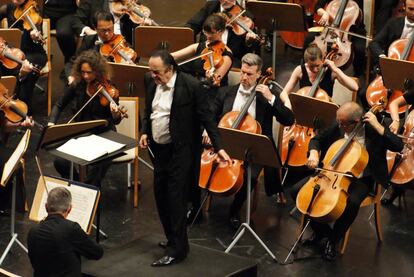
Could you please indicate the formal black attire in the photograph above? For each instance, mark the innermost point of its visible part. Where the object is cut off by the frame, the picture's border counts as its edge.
(61, 14)
(264, 116)
(94, 110)
(383, 12)
(56, 245)
(174, 162)
(236, 43)
(358, 44)
(326, 83)
(34, 53)
(376, 171)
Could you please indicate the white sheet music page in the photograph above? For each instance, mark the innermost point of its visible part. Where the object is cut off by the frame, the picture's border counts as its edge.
(90, 147)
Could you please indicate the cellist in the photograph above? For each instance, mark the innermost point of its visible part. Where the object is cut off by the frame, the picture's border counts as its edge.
(376, 138)
(266, 106)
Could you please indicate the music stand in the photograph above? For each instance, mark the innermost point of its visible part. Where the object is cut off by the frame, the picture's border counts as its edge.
(395, 73)
(251, 148)
(13, 36)
(129, 79)
(277, 17)
(10, 83)
(11, 165)
(150, 38)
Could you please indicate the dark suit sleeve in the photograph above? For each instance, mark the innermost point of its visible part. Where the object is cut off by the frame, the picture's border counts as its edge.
(196, 22)
(383, 40)
(84, 245)
(83, 13)
(147, 111)
(284, 115)
(68, 95)
(217, 107)
(392, 142)
(324, 139)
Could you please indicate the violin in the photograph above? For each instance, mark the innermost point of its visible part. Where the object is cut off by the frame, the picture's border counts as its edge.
(138, 13)
(297, 39)
(14, 110)
(295, 139)
(345, 13)
(30, 15)
(324, 197)
(12, 57)
(401, 49)
(212, 56)
(117, 50)
(107, 93)
(227, 179)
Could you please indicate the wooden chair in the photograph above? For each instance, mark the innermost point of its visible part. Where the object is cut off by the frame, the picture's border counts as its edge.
(341, 94)
(129, 127)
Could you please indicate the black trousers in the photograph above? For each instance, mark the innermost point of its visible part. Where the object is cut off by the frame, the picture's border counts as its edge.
(172, 175)
(65, 35)
(358, 190)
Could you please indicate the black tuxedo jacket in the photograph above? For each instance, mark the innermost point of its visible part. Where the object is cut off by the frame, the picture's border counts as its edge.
(189, 111)
(56, 245)
(392, 31)
(264, 111)
(376, 146)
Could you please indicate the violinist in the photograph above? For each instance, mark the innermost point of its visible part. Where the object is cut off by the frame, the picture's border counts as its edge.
(376, 138)
(213, 28)
(33, 50)
(305, 74)
(358, 44)
(239, 44)
(266, 106)
(89, 69)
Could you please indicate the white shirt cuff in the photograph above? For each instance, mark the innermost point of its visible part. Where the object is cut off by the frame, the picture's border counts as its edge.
(272, 101)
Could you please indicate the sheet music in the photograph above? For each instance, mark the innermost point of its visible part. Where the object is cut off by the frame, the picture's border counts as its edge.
(83, 202)
(90, 147)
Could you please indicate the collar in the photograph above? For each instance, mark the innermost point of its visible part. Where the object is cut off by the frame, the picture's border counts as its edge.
(171, 83)
(408, 23)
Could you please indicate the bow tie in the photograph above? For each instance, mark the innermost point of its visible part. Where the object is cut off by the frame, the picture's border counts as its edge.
(409, 25)
(164, 87)
(244, 92)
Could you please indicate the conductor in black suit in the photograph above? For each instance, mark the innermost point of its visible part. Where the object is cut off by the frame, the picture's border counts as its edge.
(57, 244)
(175, 109)
(266, 105)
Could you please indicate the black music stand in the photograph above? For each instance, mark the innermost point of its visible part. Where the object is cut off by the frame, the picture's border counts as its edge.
(251, 148)
(277, 17)
(55, 136)
(129, 79)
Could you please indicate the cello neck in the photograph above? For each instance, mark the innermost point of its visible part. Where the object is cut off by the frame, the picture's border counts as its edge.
(340, 13)
(244, 109)
(317, 81)
(408, 46)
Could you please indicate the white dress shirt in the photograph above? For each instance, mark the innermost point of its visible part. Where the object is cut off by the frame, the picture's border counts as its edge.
(408, 29)
(161, 109)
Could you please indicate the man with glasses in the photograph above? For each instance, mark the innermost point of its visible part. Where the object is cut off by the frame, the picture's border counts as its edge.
(377, 139)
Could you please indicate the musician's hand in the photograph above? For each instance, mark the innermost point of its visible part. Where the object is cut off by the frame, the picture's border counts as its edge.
(223, 156)
(265, 91)
(313, 159)
(370, 118)
(331, 65)
(206, 140)
(210, 72)
(50, 124)
(89, 31)
(250, 37)
(147, 22)
(324, 19)
(28, 122)
(26, 67)
(70, 79)
(143, 141)
(114, 109)
(394, 126)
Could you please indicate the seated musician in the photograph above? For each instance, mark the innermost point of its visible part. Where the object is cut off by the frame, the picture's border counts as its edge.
(34, 52)
(213, 28)
(89, 70)
(376, 139)
(305, 74)
(358, 44)
(239, 44)
(57, 244)
(266, 106)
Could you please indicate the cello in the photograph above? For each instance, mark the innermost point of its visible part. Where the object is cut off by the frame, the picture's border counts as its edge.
(228, 179)
(345, 13)
(324, 197)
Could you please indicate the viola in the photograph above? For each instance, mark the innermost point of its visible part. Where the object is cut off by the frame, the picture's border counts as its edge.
(12, 57)
(345, 13)
(324, 197)
(401, 49)
(30, 15)
(117, 50)
(213, 60)
(227, 179)
(138, 13)
(297, 39)
(107, 93)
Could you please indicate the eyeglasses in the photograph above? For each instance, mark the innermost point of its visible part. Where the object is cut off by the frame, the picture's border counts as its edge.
(346, 124)
(107, 30)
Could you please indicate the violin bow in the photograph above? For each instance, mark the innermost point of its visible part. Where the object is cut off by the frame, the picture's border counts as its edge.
(84, 105)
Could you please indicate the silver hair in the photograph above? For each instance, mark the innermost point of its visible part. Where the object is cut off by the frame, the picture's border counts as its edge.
(252, 59)
(58, 200)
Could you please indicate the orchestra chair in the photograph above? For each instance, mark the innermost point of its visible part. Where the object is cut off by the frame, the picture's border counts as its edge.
(234, 76)
(129, 127)
(341, 94)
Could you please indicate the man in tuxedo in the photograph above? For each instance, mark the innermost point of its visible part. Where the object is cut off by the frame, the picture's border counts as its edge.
(377, 139)
(266, 105)
(57, 244)
(175, 109)
(239, 45)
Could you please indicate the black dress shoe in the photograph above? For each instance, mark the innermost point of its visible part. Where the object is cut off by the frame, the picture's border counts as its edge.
(330, 251)
(234, 222)
(166, 260)
(395, 193)
(191, 215)
(163, 244)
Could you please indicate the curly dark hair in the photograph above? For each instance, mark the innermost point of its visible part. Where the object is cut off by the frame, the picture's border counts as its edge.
(96, 61)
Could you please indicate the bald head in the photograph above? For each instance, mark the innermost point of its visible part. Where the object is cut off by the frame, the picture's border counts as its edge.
(350, 111)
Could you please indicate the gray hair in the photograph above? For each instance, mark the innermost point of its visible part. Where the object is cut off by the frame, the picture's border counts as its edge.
(352, 109)
(252, 59)
(58, 200)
